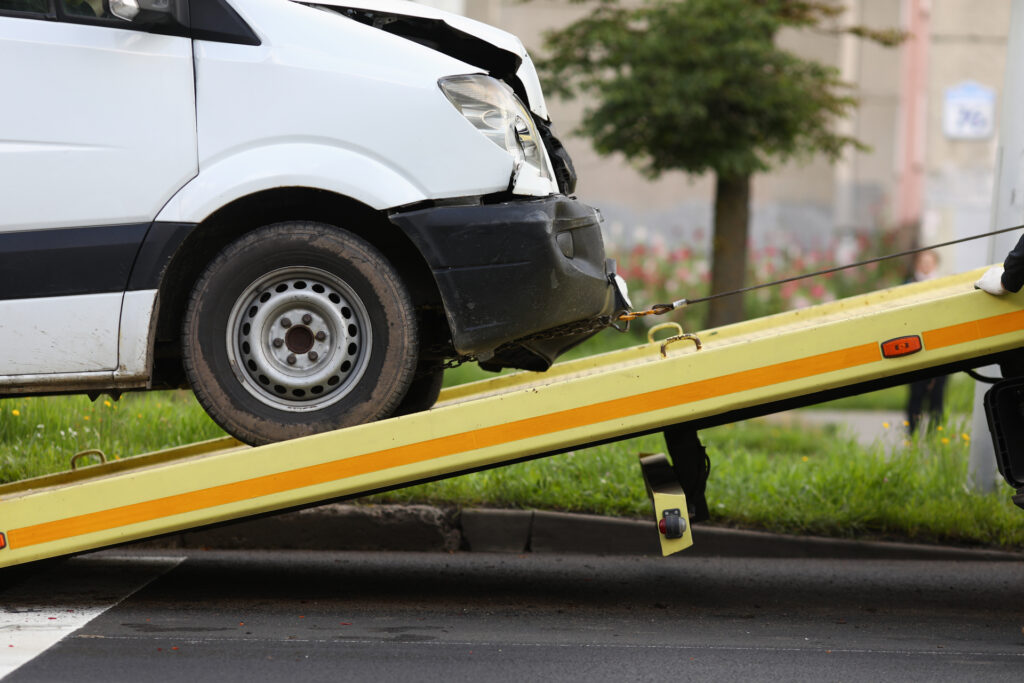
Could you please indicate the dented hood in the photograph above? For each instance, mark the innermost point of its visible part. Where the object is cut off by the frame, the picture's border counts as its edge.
(490, 49)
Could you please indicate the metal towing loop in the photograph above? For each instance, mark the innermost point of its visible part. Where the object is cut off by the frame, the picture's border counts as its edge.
(83, 454)
(680, 335)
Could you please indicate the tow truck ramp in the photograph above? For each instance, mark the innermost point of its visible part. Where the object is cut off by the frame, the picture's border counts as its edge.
(751, 368)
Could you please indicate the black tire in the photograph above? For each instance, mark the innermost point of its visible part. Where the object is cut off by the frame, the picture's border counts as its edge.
(265, 377)
(424, 390)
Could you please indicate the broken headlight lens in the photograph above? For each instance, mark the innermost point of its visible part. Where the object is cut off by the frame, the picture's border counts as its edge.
(495, 111)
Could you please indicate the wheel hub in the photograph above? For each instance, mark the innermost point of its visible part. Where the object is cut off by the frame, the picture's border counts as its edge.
(299, 338)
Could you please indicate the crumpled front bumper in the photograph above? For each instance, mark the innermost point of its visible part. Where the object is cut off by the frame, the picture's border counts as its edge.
(510, 270)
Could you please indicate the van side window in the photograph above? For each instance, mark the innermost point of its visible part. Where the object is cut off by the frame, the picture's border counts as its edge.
(27, 6)
(90, 9)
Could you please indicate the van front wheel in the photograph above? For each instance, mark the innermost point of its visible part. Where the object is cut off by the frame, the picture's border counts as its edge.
(298, 328)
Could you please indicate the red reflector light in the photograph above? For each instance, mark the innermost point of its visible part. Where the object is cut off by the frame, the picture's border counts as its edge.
(662, 526)
(902, 346)
(3, 541)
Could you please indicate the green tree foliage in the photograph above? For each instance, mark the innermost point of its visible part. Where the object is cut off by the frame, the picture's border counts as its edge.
(701, 86)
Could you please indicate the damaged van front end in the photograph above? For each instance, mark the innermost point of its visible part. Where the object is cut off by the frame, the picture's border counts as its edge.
(525, 259)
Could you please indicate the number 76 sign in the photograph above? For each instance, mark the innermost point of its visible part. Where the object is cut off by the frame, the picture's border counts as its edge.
(969, 111)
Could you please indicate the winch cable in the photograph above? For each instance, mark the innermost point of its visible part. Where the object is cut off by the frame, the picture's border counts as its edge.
(661, 309)
(595, 324)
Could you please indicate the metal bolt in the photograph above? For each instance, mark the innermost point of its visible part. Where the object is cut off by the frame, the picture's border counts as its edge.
(278, 343)
(291, 359)
(286, 323)
(321, 335)
(313, 355)
(307, 319)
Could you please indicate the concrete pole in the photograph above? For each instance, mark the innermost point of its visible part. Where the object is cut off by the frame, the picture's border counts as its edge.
(913, 113)
(844, 171)
(1007, 211)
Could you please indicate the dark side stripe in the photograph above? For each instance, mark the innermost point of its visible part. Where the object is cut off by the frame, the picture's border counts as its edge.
(85, 260)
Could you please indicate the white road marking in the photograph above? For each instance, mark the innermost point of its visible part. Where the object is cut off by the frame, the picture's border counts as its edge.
(698, 647)
(37, 613)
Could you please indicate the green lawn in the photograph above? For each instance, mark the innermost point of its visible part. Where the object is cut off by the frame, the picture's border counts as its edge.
(39, 435)
(764, 477)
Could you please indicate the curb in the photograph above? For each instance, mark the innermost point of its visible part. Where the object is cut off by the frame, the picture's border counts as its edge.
(427, 528)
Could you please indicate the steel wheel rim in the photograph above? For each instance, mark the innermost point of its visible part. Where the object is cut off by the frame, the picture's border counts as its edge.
(299, 339)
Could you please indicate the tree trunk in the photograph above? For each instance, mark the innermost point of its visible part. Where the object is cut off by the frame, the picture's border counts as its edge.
(729, 248)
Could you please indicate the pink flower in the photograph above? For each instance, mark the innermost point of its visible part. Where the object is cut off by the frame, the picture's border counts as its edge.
(682, 254)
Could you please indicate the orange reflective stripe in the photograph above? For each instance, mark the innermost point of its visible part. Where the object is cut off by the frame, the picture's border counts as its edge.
(978, 329)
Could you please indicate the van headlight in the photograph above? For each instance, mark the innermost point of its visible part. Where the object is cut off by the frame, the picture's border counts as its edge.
(493, 108)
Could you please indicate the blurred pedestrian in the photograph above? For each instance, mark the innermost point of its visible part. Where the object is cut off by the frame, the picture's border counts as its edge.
(930, 391)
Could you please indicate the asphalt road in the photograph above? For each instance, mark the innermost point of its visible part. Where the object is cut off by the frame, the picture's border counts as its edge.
(337, 616)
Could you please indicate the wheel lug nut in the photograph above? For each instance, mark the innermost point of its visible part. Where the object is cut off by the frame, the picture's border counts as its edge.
(291, 359)
(321, 335)
(286, 323)
(278, 343)
(313, 355)
(307, 319)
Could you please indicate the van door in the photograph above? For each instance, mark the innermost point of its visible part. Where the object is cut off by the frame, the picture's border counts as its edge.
(97, 132)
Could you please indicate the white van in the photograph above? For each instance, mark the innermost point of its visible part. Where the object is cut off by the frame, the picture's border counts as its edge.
(298, 209)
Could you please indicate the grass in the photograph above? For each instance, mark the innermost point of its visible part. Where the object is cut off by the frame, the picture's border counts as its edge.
(805, 480)
(918, 492)
(38, 435)
(765, 477)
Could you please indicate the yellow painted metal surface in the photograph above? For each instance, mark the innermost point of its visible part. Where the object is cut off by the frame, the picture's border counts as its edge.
(135, 463)
(509, 417)
(666, 495)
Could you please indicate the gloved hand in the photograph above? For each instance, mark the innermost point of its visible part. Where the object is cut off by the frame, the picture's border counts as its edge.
(992, 281)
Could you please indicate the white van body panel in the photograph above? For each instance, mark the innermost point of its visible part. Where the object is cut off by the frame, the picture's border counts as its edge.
(98, 128)
(295, 116)
(137, 322)
(290, 163)
(75, 336)
(493, 35)
(506, 41)
(102, 118)
(74, 333)
(527, 73)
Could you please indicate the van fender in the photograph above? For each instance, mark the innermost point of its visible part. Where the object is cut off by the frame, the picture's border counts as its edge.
(307, 163)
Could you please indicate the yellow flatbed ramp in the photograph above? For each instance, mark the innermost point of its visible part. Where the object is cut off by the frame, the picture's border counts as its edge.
(748, 368)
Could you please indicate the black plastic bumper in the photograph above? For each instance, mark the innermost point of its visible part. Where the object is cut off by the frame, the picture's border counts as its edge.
(507, 271)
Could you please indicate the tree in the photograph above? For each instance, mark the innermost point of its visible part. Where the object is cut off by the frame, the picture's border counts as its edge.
(699, 86)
